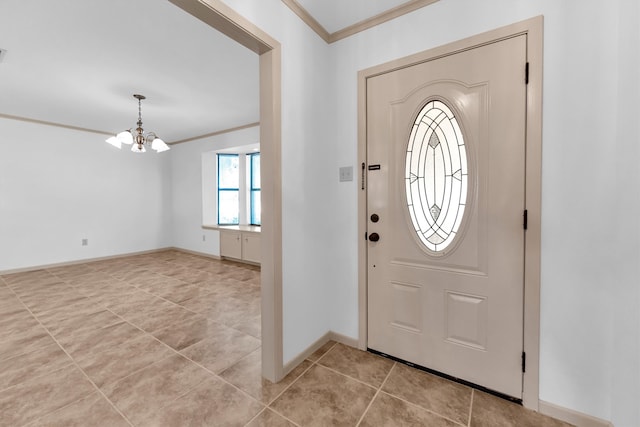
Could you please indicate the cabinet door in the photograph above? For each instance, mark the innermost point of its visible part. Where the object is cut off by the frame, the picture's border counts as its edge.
(230, 244)
(251, 247)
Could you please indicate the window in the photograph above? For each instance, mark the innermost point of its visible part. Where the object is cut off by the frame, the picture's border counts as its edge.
(254, 189)
(228, 189)
(235, 197)
(436, 176)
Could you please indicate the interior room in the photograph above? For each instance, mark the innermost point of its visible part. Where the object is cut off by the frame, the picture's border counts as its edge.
(129, 297)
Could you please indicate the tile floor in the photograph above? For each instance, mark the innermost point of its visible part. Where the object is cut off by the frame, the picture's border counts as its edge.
(173, 339)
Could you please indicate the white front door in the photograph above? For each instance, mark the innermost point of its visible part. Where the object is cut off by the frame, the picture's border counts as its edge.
(445, 202)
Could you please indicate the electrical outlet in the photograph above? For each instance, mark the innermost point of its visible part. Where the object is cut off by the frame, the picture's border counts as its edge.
(85, 242)
(346, 173)
(204, 238)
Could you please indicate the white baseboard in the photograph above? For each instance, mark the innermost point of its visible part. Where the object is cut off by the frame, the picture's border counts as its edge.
(85, 260)
(105, 258)
(570, 416)
(188, 251)
(343, 339)
(329, 336)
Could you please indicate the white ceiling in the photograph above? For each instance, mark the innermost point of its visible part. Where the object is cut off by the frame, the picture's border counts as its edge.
(78, 63)
(335, 15)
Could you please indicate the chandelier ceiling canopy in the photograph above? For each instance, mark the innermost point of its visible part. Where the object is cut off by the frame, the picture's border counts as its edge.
(137, 137)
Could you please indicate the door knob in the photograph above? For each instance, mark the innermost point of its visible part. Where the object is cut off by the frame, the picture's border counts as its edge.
(374, 237)
(375, 218)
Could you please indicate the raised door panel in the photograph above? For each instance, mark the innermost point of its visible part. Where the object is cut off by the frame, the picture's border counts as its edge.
(231, 244)
(251, 247)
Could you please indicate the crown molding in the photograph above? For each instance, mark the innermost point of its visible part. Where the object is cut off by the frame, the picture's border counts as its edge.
(102, 132)
(59, 125)
(358, 27)
(220, 132)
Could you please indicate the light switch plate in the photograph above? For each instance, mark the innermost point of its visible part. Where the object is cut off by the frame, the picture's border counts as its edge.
(346, 173)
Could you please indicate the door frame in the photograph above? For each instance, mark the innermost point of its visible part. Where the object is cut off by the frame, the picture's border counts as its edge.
(221, 17)
(533, 29)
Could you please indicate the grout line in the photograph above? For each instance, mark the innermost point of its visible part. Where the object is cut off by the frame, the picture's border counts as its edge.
(349, 377)
(74, 363)
(473, 394)
(289, 386)
(323, 354)
(79, 290)
(411, 403)
(376, 395)
(283, 416)
(431, 411)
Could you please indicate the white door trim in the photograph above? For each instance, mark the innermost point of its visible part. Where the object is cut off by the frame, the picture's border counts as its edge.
(533, 29)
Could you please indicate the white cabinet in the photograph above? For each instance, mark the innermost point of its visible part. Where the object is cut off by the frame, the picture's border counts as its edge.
(251, 247)
(230, 244)
(240, 244)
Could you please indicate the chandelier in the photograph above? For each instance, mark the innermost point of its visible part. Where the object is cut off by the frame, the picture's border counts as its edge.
(137, 136)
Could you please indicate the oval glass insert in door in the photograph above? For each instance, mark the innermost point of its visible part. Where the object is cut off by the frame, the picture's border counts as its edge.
(436, 177)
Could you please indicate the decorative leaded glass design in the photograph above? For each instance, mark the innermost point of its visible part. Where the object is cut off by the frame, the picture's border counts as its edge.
(436, 176)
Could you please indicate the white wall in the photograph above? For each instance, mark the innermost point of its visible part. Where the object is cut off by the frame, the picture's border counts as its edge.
(187, 161)
(308, 165)
(59, 186)
(589, 253)
(590, 358)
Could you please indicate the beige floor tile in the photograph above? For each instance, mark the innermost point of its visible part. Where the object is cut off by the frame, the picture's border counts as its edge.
(247, 376)
(71, 329)
(143, 394)
(193, 276)
(53, 318)
(160, 285)
(389, 411)
(112, 364)
(15, 321)
(361, 365)
(30, 279)
(268, 418)
(160, 316)
(222, 348)
(24, 342)
(251, 326)
(53, 302)
(321, 351)
(31, 292)
(446, 398)
(321, 397)
(133, 303)
(89, 279)
(128, 272)
(491, 411)
(181, 292)
(93, 410)
(94, 341)
(212, 403)
(186, 333)
(10, 306)
(40, 396)
(230, 310)
(36, 363)
(106, 294)
(70, 271)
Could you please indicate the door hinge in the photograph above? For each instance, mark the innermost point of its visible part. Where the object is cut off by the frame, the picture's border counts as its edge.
(525, 219)
(363, 175)
(524, 362)
(526, 74)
